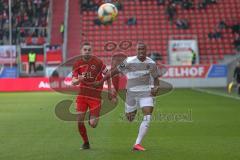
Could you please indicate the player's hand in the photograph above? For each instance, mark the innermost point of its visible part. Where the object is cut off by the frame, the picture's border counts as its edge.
(155, 90)
(112, 96)
(97, 83)
(81, 77)
(76, 81)
(114, 100)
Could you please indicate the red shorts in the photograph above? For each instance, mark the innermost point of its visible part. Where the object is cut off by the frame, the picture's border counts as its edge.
(85, 103)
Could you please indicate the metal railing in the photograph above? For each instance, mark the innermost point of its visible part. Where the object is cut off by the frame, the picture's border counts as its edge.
(49, 20)
(65, 39)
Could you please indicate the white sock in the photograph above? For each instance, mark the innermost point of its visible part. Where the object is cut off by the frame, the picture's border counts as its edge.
(143, 128)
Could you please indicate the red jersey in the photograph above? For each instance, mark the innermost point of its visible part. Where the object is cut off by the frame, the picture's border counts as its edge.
(92, 70)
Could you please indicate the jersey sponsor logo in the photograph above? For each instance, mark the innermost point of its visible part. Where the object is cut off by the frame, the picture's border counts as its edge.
(186, 72)
(198, 71)
(148, 66)
(122, 65)
(43, 84)
(93, 67)
(137, 74)
(87, 75)
(132, 67)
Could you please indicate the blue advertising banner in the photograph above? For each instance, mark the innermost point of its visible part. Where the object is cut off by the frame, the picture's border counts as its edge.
(217, 71)
(8, 72)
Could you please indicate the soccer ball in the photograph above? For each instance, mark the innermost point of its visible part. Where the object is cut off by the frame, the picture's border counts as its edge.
(107, 13)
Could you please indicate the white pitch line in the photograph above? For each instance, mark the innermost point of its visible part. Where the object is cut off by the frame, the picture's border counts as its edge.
(215, 93)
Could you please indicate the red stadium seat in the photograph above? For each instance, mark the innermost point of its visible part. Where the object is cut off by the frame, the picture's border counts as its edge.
(154, 28)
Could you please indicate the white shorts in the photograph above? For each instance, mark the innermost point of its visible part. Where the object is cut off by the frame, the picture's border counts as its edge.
(140, 103)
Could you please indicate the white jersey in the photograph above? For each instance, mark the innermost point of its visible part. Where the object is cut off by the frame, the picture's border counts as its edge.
(139, 75)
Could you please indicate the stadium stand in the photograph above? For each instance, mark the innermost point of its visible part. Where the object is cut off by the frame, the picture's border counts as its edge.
(215, 24)
(29, 18)
(155, 29)
(57, 19)
(74, 28)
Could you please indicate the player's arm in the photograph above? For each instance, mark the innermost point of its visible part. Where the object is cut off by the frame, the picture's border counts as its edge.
(111, 91)
(75, 81)
(156, 82)
(106, 77)
(109, 84)
(109, 81)
(156, 88)
(116, 70)
(112, 73)
(235, 73)
(76, 78)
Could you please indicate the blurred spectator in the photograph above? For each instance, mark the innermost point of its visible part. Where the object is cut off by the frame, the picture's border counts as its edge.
(212, 1)
(160, 2)
(97, 22)
(237, 43)
(32, 61)
(1, 6)
(6, 30)
(187, 4)
(182, 24)
(222, 25)
(236, 76)
(236, 28)
(28, 40)
(201, 5)
(118, 5)
(171, 11)
(40, 40)
(62, 30)
(14, 34)
(85, 4)
(215, 35)
(88, 5)
(155, 56)
(194, 56)
(132, 21)
(1, 37)
(205, 3)
(28, 13)
(176, 1)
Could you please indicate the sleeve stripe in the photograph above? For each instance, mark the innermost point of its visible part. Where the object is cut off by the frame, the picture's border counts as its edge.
(104, 71)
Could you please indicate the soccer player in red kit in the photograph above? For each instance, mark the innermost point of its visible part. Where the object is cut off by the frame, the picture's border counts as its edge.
(86, 70)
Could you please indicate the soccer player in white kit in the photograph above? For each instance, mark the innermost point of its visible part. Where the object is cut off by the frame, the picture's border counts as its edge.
(142, 86)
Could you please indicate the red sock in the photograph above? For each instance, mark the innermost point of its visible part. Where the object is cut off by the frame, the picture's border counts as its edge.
(83, 132)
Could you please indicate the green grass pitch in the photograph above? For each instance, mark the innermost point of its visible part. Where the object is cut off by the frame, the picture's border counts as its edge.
(192, 125)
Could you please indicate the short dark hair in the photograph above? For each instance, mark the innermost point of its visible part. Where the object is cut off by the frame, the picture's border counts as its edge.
(85, 44)
(140, 43)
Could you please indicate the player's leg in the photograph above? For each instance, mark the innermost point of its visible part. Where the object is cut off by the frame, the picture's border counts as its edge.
(130, 107)
(95, 108)
(238, 87)
(81, 110)
(34, 67)
(147, 108)
(30, 67)
(131, 115)
(81, 127)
